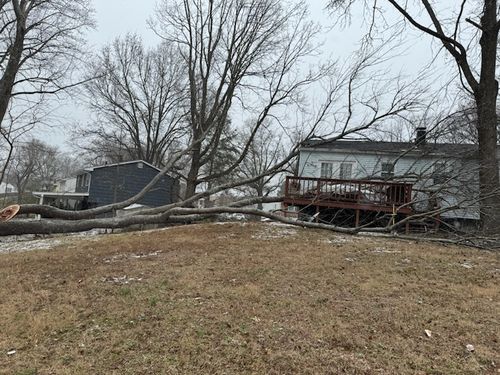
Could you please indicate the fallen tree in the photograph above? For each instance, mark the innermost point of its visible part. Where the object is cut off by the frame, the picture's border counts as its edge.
(346, 101)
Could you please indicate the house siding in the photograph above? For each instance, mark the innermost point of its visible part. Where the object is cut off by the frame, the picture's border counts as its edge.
(462, 189)
(119, 182)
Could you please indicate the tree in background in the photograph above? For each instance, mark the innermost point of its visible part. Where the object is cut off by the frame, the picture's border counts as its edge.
(16, 124)
(36, 166)
(222, 157)
(462, 125)
(138, 96)
(40, 44)
(240, 55)
(247, 59)
(33, 167)
(265, 151)
(449, 27)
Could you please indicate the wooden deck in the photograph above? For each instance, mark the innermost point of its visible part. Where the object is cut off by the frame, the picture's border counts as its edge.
(359, 195)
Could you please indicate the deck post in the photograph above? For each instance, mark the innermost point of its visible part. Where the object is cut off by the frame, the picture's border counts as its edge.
(40, 202)
(357, 218)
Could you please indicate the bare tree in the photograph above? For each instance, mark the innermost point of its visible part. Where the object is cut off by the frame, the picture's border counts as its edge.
(345, 87)
(68, 164)
(18, 121)
(247, 60)
(96, 150)
(478, 76)
(34, 165)
(265, 151)
(39, 43)
(462, 125)
(226, 153)
(241, 55)
(139, 98)
(47, 170)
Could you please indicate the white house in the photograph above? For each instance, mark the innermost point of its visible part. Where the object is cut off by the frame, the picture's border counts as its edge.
(65, 185)
(442, 175)
(7, 188)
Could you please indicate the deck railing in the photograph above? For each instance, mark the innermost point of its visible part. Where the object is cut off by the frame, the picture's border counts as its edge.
(355, 192)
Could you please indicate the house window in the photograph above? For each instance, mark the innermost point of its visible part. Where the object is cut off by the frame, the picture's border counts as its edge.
(440, 173)
(8, 189)
(83, 180)
(387, 170)
(326, 170)
(345, 171)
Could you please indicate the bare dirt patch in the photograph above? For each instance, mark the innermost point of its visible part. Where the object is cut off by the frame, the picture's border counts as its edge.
(249, 299)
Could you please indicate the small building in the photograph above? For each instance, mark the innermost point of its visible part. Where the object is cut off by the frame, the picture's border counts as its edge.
(6, 188)
(8, 193)
(391, 178)
(111, 183)
(65, 185)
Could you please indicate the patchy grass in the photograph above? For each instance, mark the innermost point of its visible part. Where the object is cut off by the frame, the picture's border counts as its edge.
(248, 299)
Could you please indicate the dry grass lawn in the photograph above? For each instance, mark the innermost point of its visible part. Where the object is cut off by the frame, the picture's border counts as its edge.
(248, 299)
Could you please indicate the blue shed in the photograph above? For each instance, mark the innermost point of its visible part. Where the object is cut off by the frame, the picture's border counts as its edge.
(113, 183)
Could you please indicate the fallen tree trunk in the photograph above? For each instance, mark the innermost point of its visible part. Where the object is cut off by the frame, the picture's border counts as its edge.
(18, 227)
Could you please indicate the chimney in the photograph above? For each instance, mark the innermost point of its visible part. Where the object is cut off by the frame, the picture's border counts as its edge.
(421, 136)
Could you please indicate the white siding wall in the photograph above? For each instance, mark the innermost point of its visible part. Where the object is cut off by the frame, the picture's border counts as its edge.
(462, 189)
(7, 188)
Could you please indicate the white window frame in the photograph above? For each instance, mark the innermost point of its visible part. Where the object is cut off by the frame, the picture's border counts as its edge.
(336, 167)
(330, 167)
(343, 164)
(83, 180)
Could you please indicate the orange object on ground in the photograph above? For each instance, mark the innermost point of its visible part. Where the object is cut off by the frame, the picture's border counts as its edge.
(9, 212)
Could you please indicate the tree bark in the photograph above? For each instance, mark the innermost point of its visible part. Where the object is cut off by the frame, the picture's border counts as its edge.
(19, 227)
(16, 51)
(194, 170)
(486, 100)
(260, 193)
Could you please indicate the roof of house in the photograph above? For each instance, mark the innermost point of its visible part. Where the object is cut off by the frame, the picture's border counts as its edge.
(62, 194)
(90, 169)
(398, 148)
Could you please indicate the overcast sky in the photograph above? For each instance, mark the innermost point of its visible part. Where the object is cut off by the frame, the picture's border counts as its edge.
(117, 17)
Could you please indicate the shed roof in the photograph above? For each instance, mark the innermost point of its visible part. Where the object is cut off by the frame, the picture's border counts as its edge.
(90, 169)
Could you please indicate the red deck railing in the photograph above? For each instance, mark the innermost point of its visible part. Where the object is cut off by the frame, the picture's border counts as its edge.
(355, 194)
